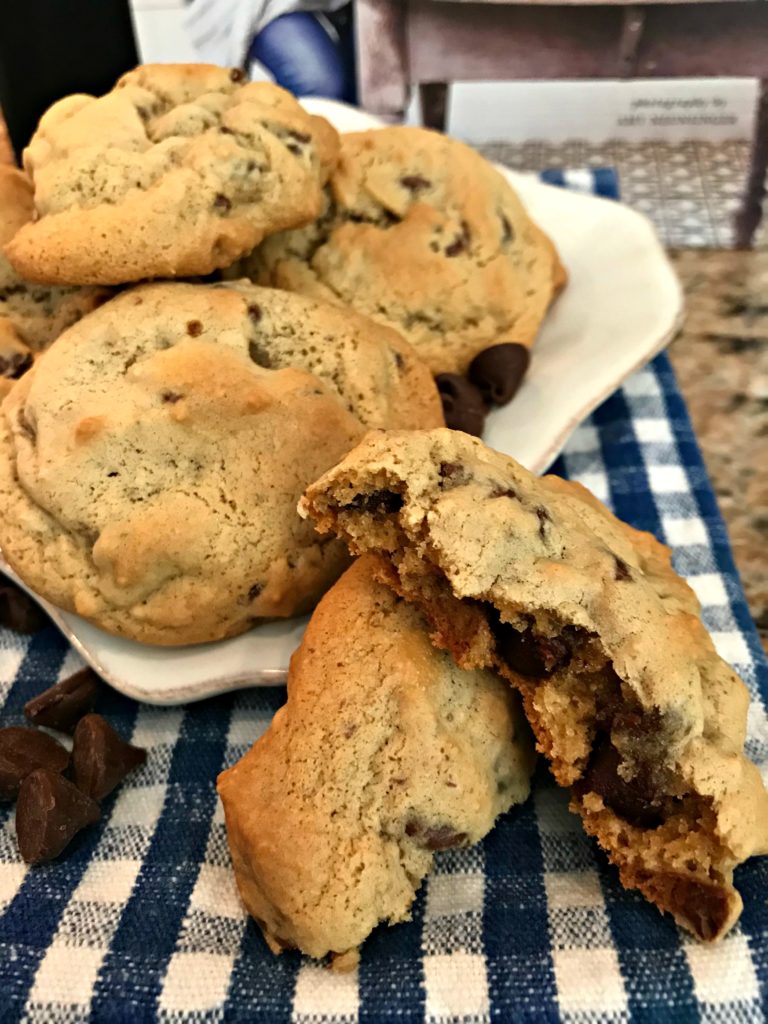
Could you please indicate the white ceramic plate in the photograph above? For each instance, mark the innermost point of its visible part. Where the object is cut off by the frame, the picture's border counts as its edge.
(623, 303)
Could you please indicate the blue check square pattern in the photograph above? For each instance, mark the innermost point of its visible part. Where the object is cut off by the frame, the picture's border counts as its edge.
(140, 921)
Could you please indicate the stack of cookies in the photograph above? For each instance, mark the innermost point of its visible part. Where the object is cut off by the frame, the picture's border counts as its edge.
(151, 463)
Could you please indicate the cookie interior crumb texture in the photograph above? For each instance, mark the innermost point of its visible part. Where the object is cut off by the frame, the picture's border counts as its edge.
(385, 753)
(178, 171)
(421, 233)
(585, 616)
(151, 461)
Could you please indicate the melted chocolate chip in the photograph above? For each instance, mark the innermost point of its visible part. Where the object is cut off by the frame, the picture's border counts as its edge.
(15, 365)
(49, 814)
(221, 202)
(636, 800)
(499, 370)
(62, 705)
(381, 502)
(259, 355)
(528, 655)
(622, 569)
(194, 328)
(463, 405)
(436, 837)
(414, 182)
(171, 397)
(706, 908)
(22, 751)
(18, 611)
(101, 757)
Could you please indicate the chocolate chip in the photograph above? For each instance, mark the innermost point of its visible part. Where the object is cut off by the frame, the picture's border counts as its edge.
(498, 371)
(622, 569)
(705, 907)
(453, 474)
(302, 137)
(18, 611)
(194, 328)
(101, 757)
(236, 74)
(26, 426)
(636, 800)
(400, 361)
(254, 312)
(255, 590)
(504, 492)
(463, 405)
(221, 202)
(528, 655)
(259, 355)
(507, 232)
(62, 705)
(293, 148)
(15, 365)
(460, 242)
(544, 518)
(23, 750)
(437, 837)
(171, 397)
(383, 502)
(49, 814)
(415, 183)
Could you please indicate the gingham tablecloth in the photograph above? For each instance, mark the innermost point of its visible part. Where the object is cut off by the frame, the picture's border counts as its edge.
(140, 921)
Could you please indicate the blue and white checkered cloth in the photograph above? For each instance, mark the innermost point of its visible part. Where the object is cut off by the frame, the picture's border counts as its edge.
(140, 920)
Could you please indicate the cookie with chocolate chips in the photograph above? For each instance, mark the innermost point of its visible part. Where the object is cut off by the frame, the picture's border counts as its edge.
(179, 170)
(585, 616)
(385, 753)
(151, 463)
(32, 316)
(421, 233)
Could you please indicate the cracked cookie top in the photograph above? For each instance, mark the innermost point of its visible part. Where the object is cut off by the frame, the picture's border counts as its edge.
(179, 170)
(151, 461)
(421, 233)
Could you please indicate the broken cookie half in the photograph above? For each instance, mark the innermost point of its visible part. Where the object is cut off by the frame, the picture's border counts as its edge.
(384, 753)
(585, 616)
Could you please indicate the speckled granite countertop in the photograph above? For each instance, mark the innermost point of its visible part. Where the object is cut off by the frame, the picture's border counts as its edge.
(721, 361)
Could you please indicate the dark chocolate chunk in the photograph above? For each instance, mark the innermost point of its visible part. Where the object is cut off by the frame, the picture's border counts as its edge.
(385, 502)
(528, 655)
(62, 705)
(101, 757)
(414, 182)
(463, 405)
(498, 371)
(259, 355)
(15, 364)
(194, 328)
(636, 800)
(23, 750)
(436, 837)
(622, 569)
(49, 814)
(18, 611)
(221, 202)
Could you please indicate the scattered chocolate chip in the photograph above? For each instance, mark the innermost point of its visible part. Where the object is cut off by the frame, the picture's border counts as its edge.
(622, 569)
(384, 502)
(463, 405)
(705, 907)
(62, 705)
(194, 328)
(255, 590)
(302, 137)
(171, 397)
(528, 655)
(23, 750)
(507, 232)
(113, 473)
(259, 355)
(15, 365)
(636, 800)
(504, 492)
(254, 312)
(26, 426)
(101, 757)
(236, 74)
(544, 518)
(460, 243)
(453, 474)
(400, 361)
(293, 148)
(415, 183)
(49, 814)
(18, 611)
(221, 202)
(438, 837)
(498, 371)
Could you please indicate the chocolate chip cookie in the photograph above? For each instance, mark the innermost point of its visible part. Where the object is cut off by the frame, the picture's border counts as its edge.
(151, 462)
(421, 233)
(31, 315)
(585, 616)
(385, 753)
(179, 170)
